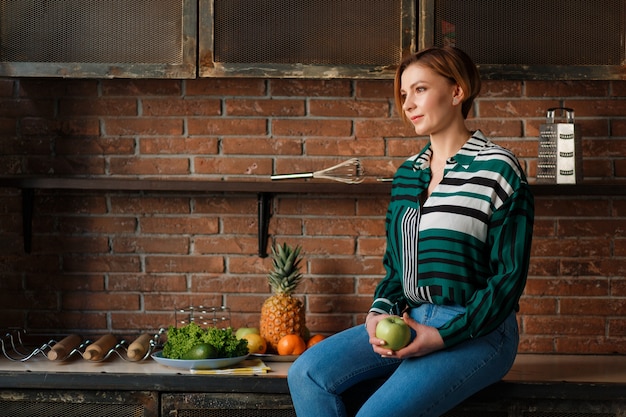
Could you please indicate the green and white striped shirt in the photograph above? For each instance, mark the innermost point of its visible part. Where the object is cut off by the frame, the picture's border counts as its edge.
(468, 244)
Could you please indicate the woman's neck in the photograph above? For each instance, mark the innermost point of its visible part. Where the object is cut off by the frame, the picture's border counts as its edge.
(446, 144)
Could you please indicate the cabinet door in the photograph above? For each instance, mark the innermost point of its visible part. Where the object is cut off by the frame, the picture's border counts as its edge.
(94, 39)
(46, 403)
(227, 405)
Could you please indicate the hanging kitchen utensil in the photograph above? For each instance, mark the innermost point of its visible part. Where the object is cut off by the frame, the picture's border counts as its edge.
(349, 172)
(560, 154)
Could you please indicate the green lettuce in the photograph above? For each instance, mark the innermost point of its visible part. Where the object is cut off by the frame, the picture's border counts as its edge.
(180, 340)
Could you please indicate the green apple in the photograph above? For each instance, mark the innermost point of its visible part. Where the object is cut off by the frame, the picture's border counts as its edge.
(242, 331)
(394, 331)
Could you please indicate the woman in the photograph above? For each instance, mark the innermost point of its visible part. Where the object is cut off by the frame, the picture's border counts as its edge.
(459, 229)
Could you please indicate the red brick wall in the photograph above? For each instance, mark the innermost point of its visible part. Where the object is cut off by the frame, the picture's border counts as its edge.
(121, 261)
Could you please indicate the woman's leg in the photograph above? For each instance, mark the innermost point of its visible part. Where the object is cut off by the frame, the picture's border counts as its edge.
(322, 373)
(431, 385)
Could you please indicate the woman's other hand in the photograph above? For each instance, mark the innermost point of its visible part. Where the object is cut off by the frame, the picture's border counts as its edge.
(427, 339)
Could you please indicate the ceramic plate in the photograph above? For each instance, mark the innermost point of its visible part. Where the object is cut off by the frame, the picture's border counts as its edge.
(268, 357)
(197, 363)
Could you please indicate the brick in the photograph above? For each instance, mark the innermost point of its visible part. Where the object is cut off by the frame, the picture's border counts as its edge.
(32, 126)
(563, 325)
(261, 146)
(532, 344)
(564, 287)
(368, 246)
(37, 87)
(605, 147)
(227, 126)
(149, 165)
(380, 128)
(235, 284)
(265, 107)
(591, 307)
(134, 244)
(97, 224)
(142, 126)
(246, 303)
(376, 89)
(11, 108)
(167, 107)
(82, 244)
(330, 207)
(348, 108)
(507, 108)
(225, 245)
(589, 345)
(141, 87)
(327, 285)
(184, 264)
(244, 166)
(498, 88)
(144, 322)
(147, 283)
(338, 304)
(89, 301)
(567, 88)
(345, 147)
(329, 323)
(7, 86)
(178, 225)
(538, 306)
(68, 165)
(605, 228)
(225, 87)
(105, 263)
(169, 302)
(570, 207)
(578, 247)
(341, 227)
(70, 321)
(150, 205)
(232, 205)
(178, 145)
(96, 146)
(312, 127)
(346, 266)
(310, 88)
(97, 107)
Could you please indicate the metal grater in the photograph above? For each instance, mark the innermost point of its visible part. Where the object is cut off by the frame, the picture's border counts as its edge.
(560, 153)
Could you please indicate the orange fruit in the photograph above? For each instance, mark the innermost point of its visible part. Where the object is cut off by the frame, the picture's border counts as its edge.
(314, 340)
(291, 344)
(256, 343)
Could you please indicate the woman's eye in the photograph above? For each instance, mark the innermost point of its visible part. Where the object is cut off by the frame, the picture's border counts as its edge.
(420, 89)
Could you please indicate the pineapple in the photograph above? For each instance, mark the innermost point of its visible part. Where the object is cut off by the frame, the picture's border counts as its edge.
(282, 314)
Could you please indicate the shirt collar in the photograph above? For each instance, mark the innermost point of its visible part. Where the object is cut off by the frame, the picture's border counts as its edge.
(464, 157)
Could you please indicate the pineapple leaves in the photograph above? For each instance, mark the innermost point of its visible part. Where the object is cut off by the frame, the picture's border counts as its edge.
(286, 275)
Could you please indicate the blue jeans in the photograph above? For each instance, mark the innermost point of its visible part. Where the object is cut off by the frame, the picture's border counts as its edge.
(427, 386)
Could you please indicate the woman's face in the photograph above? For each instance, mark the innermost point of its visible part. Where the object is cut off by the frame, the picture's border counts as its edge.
(428, 99)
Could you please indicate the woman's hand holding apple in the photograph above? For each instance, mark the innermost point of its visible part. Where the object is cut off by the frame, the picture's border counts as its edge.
(427, 339)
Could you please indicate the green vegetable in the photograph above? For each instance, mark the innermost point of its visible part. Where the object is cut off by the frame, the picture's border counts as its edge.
(182, 340)
(201, 351)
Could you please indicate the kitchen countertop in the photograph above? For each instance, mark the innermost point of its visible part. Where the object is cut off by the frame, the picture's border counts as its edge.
(532, 374)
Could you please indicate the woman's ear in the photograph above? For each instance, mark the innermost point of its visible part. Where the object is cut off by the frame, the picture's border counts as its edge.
(458, 95)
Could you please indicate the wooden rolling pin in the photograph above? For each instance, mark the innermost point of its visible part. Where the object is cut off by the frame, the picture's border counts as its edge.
(98, 349)
(138, 349)
(63, 348)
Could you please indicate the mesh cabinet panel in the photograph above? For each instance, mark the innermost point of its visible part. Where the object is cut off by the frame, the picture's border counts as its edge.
(534, 32)
(139, 35)
(336, 32)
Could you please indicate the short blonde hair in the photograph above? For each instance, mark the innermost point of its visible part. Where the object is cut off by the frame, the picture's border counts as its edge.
(449, 62)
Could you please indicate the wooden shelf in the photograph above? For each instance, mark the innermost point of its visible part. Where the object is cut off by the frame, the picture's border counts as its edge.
(264, 190)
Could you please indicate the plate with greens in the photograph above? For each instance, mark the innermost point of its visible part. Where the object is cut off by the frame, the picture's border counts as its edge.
(197, 363)
(194, 347)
